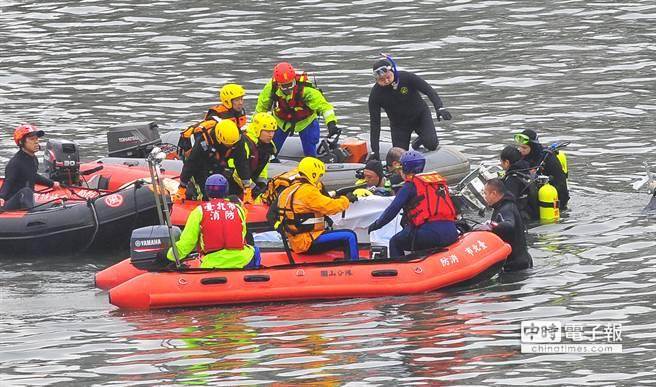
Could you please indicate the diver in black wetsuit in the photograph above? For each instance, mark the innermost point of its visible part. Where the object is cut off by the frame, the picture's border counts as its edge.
(507, 224)
(397, 92)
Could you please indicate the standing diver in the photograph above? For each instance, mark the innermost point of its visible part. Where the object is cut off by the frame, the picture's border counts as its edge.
(397, 92)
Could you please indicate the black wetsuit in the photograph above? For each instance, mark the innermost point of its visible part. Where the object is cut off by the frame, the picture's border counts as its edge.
(518, 182)
(20, 177)
(550, 167)
(510, 228)
(406, 110)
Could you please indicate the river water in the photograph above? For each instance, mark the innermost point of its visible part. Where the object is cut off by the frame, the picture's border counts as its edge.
(574, 70)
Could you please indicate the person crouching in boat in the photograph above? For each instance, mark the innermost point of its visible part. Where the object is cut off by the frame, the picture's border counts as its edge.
(303, 210)
(519, 183)
(218, 226)
(260, 149)
(231, 108)
(373, 176)
(399, 94)
(17, 191)
(393, 166)
(296, 103)
(224, 153)
(427, 207)
(506, 222)
(546, 162)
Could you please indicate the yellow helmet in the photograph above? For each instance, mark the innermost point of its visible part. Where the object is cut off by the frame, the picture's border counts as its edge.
(227, 132)
(262, 121)
(312, 169)
(229, 92)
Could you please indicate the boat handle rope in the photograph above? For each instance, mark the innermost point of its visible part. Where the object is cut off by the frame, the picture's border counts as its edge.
(96, 224)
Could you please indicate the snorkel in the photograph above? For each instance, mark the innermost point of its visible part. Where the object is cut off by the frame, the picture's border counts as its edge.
(388, 57)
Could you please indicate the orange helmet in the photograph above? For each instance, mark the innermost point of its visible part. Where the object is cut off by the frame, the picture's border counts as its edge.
(25, 129)
(283, 73)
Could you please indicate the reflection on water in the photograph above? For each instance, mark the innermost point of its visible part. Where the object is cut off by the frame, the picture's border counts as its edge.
(575, 70)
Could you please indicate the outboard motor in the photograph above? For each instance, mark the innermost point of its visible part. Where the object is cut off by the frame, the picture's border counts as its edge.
(62, 161)
(469, 191)
(134, 140)
(148, 246)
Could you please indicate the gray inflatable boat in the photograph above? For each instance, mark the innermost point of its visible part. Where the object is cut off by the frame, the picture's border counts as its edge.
(446, 160)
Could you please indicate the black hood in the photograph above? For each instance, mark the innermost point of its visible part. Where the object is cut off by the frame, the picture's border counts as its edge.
(520, 165)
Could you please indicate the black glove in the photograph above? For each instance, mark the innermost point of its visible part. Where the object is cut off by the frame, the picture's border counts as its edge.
(372, 227)
(373, 156)
(259, 188)
(442, 112)
(333, 129)
(351, 197)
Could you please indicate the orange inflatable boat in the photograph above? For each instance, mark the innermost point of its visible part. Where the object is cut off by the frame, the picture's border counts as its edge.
(475, 256)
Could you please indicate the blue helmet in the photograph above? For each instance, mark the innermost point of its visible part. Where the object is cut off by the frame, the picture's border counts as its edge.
(216, 186)
(412, 162)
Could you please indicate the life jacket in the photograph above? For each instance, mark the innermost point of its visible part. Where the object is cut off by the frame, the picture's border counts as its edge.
(292, 221)
(202, 131)
(432, 202)
(221, 226)
(276, 185)
(295, 109)
(220, 112)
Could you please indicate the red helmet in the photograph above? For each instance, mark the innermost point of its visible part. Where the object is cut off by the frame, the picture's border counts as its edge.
(283, 73)
(25, 129)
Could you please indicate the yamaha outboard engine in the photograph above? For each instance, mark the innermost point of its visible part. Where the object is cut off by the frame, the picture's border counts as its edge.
(134, 140)
(62, 161)
(149, 245)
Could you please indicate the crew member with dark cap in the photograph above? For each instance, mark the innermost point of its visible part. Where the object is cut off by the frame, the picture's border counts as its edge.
(506, 222)
(17, 191)
(374, 178)
(397, 92)
(545, 161)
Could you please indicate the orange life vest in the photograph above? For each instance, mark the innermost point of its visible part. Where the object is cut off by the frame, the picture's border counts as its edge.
(221, 226)
(202, 131)
(432, 202)
(220, 112)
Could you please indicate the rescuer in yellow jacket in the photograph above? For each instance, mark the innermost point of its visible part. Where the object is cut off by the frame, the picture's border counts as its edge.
(303, 209)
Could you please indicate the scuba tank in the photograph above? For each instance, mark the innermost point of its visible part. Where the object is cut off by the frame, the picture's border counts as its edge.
(549, 203)
(560, 155)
